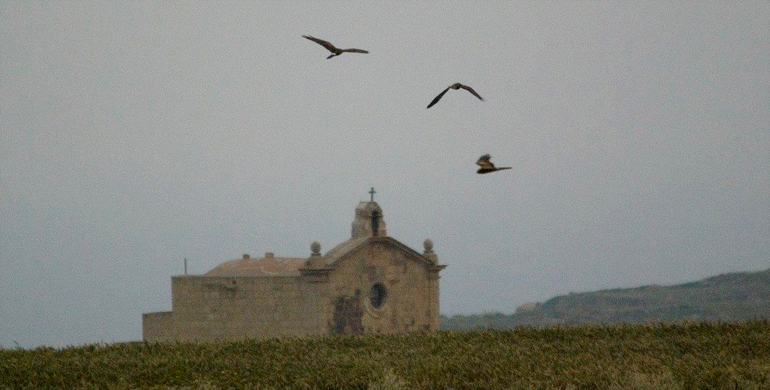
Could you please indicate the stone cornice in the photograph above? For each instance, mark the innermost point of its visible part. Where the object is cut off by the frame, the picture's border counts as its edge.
(315, 271)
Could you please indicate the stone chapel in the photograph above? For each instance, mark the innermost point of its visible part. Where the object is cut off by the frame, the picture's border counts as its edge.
(369, 283)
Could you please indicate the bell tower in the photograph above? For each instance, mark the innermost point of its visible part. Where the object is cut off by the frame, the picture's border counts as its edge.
(368, 221)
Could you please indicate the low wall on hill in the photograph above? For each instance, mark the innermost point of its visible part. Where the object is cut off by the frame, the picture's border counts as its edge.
(158, 326)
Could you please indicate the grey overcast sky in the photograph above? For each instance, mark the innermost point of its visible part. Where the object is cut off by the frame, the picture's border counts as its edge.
(136, 133)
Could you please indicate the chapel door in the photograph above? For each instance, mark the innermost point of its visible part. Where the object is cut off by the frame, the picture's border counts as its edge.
(347, 315)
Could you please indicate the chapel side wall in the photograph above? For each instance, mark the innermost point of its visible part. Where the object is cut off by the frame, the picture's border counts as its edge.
(158, 326)
(219, 307)
(412, 297)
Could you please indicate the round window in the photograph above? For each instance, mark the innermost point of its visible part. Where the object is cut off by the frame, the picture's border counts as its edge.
(377, 295)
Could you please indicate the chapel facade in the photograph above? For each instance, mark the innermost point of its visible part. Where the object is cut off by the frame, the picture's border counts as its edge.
(369, 283)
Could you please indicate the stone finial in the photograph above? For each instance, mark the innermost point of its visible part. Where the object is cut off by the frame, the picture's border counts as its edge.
(428, 245)
(432, 256)
(315, 261)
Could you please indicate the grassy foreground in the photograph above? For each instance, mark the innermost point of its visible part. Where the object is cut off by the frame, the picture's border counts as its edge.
(663, 356)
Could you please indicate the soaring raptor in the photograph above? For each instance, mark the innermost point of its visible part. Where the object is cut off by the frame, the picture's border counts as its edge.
(454, 86)
(335, 51)
(487, 166)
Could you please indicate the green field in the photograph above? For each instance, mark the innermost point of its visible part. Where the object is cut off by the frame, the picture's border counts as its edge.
(662, 356)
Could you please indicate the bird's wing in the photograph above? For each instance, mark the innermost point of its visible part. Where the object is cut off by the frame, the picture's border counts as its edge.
(356, 51)
(484, 162)
(437, 98)
(469, 89)
(321, 42)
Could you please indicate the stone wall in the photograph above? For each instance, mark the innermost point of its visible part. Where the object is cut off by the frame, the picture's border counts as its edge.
(158, 326)
(217, 307)
(433, 294)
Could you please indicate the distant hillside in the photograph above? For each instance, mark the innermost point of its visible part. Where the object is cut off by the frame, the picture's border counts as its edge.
(728, 297)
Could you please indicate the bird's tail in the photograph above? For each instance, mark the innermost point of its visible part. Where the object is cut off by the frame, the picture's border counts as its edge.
(333, 55)
(501, 168)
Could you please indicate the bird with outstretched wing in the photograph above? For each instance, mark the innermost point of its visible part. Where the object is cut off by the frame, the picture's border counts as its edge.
(335, 51)
(455, 86)
(487, 166)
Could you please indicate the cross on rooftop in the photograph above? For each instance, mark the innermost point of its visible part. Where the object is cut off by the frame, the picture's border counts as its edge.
(372, 191)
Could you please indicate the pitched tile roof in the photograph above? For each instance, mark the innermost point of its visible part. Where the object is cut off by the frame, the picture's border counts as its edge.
(266, 266)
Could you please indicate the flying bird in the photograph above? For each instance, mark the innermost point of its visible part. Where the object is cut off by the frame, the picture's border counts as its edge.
(335, 51)
(487, 166)
(454, 86)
